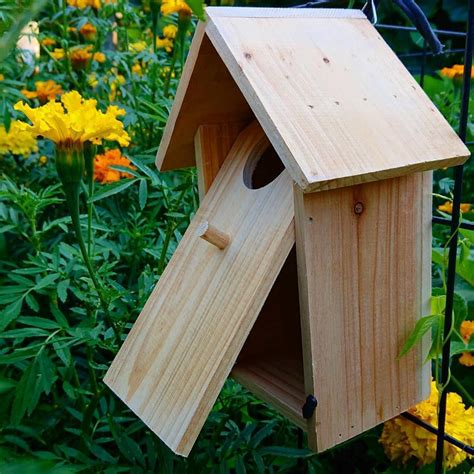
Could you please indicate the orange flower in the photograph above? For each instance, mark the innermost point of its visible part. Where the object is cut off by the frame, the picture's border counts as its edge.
(102, 166)
(454, 72)
(46, 42)
(448, 207)
(80, 56)
(89, 31)
(467, 330)
(45, 90)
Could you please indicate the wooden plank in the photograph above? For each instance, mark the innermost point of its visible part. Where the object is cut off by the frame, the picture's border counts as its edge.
(364, 281)
(252, 12)
(270, 364)
(187, 338)
(212, 143)
(278, 380)
(336, 103)
(206, 94)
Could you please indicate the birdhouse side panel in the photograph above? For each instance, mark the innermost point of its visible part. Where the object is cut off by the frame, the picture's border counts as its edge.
(364, 268)
(185, 342)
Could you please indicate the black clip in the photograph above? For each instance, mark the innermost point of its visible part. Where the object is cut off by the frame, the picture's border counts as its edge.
(309, 406)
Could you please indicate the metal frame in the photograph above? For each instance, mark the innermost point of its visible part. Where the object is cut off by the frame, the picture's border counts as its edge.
(455, 224)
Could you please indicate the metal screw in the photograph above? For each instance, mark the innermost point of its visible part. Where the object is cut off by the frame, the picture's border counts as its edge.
(358, 208)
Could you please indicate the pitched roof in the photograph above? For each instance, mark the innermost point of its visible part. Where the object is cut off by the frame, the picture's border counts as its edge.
(335, 101)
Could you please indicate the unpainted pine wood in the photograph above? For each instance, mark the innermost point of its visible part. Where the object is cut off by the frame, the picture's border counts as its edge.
(206, 94)
(212, 143)
(213, 235)
(278, 381)
(337, 104)
(185, 342)
(287, 13)
(270, 364)
(364, 281)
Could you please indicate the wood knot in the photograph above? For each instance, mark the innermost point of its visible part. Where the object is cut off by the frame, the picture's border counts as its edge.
(326, 60)
(248, 56)
(358, 208)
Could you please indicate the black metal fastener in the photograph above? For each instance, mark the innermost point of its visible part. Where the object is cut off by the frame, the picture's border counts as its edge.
(309, 406)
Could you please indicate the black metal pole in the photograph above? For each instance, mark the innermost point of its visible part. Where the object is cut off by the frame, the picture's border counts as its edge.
(451, 277)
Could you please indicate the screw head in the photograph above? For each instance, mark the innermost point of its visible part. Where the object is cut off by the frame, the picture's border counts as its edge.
(358, 208)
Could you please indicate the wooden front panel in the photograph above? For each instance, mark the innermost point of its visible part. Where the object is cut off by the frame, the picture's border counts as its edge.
(187, 338)
(364, 280)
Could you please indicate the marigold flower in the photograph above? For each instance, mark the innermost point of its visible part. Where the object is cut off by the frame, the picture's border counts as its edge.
(45, 90)
(2, 77)
(137, 68)
(46, 42)
(88, 31)
(84, 3)
(138, 46)
(164, 43)
(17, 141)
(467, 330)
(102, 166)
(80, 56)
(454, 72)
(73, 121)
(448, 207)
(169, 31)
(168, 7)
(117, 81)
(402, 440)
(43, 160)
(58, 53)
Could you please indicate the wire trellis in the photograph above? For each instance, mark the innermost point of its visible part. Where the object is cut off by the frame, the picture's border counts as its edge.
(455, 225)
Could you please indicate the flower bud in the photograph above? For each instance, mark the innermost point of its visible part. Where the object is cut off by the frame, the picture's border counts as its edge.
(69, 165)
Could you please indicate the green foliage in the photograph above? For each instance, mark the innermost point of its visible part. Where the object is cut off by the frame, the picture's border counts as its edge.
(57, 341)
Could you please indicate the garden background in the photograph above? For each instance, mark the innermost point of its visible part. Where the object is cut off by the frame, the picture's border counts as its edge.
(73, 280)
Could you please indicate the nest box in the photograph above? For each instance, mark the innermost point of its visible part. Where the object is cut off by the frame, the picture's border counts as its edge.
(308, 262)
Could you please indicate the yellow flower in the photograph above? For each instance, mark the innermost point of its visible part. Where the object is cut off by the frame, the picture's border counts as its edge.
(402, 440)
(137, 68)
(117, 81)
(80, 56)
(92, 80)
(46, 42)
(454, 72)
(102, 166)
(467, 330)
(45, 90)
(164, 43)
(89, 31)
(58, 53)
(84, 3)
(138, 46)
(43, 160)
(168, 7)
(99, 57)
(17, 140)
(169, 31)
(2, 77)
(73, 121)
(448, 207)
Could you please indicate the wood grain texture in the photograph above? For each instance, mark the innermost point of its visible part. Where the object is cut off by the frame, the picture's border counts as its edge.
(206, 94)
(212, 144)
(270, 364)
(278, 380)
(178, 354)
(364, 281)
(252, 12)
(338, 111)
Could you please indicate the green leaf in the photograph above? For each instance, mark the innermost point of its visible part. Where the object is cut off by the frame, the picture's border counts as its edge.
(62, 289)
(27, 393)
(422, 326)
(10, 313)
(6, 384)
(197, 6)
(111, 189)
(143, 193)
(286, 452)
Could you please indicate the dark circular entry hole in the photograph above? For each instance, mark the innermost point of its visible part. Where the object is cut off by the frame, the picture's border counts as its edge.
(263, 169)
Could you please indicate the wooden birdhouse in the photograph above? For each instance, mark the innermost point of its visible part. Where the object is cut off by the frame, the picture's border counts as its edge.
(308, 262)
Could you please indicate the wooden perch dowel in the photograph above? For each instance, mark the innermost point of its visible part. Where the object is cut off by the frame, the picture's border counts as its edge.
(214, 236)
